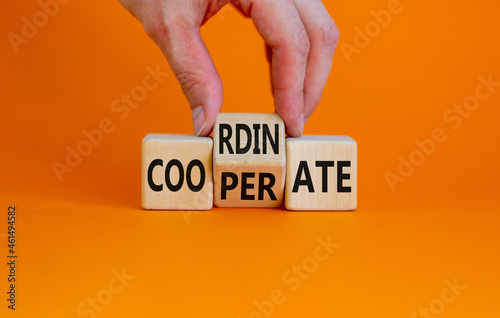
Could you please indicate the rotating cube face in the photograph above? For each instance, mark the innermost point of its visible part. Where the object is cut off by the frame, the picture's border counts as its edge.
(321, 173)
(177, 172)
(249, 160)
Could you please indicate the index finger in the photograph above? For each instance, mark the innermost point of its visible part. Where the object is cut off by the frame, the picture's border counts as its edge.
(279, 24)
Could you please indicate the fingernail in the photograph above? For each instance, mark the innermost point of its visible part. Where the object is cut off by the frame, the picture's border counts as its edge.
(301, 123)
(199, 120)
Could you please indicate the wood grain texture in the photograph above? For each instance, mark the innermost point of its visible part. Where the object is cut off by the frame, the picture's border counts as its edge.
(190, 151)
(261, 141)
(325, 159)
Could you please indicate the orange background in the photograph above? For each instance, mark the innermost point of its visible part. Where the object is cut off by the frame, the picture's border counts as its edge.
(395, 251)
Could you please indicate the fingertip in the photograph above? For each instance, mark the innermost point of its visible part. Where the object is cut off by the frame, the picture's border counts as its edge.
(204, 131)
(199, 121)
(294, 127)
(293, 132)
(290, 107)
(202, 124)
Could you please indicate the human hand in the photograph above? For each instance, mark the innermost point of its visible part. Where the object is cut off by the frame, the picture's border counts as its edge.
(300, 33)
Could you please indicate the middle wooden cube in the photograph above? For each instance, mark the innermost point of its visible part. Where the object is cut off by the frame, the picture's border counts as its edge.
(249, 160)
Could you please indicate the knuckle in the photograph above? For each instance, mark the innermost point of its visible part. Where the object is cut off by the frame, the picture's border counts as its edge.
(190, 82)
(301, 42)
(329, 34)
(156, 27)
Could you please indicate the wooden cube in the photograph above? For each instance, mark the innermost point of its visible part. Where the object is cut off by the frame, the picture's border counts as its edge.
(177, 172)
(249, 160)
(321, 173)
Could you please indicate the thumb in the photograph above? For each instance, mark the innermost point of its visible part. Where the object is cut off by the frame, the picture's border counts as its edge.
(191, 63)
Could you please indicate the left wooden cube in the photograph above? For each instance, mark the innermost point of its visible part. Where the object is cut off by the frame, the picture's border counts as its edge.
(177, 172)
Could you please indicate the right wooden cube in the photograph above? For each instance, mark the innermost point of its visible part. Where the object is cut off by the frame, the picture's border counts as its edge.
(321, 173)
